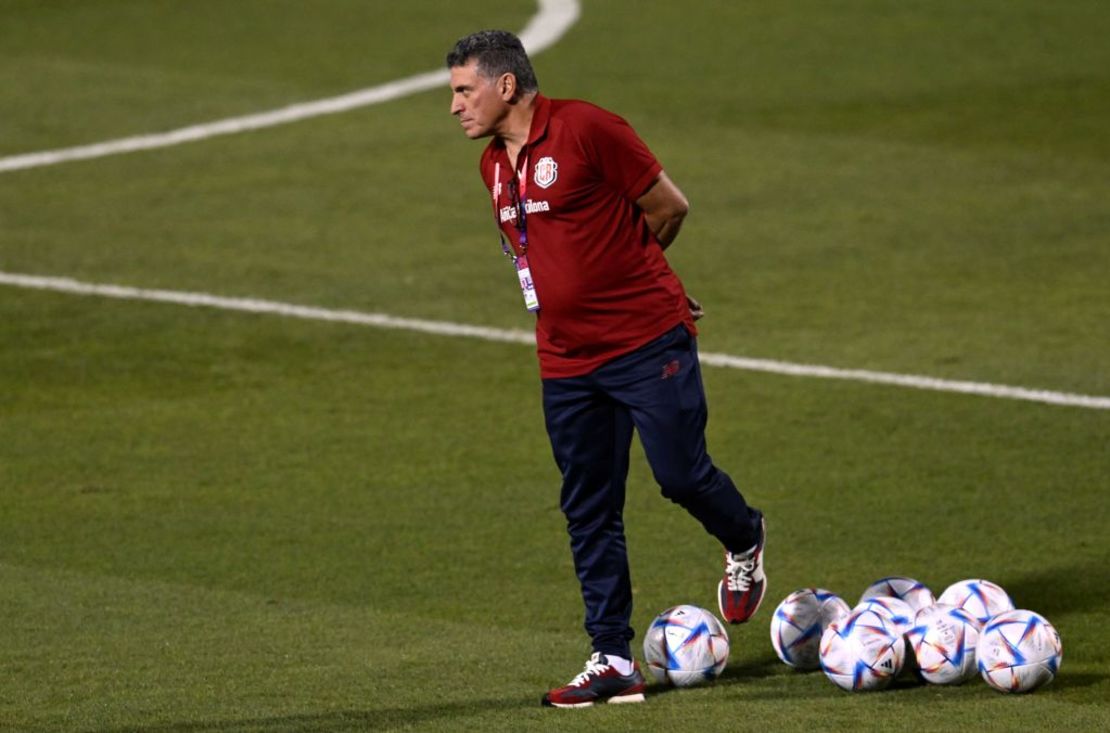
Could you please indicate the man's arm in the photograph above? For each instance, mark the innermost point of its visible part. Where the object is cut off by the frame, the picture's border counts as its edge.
(664, 207)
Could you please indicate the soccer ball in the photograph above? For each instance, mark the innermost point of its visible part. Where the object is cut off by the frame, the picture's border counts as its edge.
(902, 588)
(800, 620)
(943, 641)
(1018, 651)
(981, 598)
(686, 646)
(900, 613)
(862, 651)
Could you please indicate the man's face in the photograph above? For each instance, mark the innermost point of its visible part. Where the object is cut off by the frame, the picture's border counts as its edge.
(478, 102)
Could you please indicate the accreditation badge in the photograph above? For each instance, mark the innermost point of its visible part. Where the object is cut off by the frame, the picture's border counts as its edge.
(527, 287)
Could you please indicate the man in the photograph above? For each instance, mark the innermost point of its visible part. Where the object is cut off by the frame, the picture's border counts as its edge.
(585, 212)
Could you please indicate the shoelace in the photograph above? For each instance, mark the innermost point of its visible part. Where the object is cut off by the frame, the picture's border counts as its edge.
(593, 667)
(739, 569)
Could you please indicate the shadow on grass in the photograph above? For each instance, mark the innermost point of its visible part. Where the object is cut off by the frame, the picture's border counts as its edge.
(764, 666)
(1057, 590)
(1068, 681)
(756, 669)
(339, 720)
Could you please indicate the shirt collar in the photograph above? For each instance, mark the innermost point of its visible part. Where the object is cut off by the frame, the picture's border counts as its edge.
(541, 114)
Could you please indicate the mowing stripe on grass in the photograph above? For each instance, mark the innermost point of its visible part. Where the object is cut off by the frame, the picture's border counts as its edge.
(447, 328)
(547, 26)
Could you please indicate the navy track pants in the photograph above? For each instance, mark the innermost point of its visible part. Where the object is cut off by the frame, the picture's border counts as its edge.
(657, 390)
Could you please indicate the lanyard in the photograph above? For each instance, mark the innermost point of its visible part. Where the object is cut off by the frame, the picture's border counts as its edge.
(520, 262)
(518, 195)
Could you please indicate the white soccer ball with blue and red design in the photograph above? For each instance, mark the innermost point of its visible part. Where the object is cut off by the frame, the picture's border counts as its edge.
(798, 623)
(1019, 651)
(904, 589)
(863, 651)
(943, 642)
(900, 613)
(981, 598)
(686, 646)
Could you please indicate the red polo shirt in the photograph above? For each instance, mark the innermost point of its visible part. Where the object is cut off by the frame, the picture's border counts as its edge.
(604, 286)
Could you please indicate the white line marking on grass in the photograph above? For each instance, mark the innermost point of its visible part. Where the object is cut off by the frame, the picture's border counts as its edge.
(446, 328)
(913, 381)
(546, 27)
(253, 305)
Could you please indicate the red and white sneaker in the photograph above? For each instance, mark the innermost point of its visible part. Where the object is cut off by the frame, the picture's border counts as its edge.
(599, 682)
(741, 591)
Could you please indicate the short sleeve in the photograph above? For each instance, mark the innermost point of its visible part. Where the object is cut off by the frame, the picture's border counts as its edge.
(622, 158)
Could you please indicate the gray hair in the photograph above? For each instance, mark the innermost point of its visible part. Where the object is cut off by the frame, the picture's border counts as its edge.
(497, 53)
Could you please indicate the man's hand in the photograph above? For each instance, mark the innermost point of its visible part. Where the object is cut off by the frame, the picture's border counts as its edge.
(696, 310)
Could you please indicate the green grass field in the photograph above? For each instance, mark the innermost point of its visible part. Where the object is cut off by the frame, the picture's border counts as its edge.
(219, 521)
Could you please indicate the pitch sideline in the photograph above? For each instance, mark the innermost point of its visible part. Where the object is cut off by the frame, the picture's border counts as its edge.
(553, 19)
(486, 333)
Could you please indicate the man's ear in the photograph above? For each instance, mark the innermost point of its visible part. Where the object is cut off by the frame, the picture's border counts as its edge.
(506, 86)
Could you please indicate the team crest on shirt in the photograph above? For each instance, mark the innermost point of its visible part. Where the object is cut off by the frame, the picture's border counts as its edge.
(547, 170)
